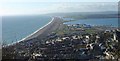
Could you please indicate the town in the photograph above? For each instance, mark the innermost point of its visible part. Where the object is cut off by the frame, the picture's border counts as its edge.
(79, 41)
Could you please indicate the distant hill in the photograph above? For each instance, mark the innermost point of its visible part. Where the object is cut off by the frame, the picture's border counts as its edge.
(83, 15)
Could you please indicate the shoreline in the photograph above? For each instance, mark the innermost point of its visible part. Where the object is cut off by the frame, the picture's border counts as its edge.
(30, 35)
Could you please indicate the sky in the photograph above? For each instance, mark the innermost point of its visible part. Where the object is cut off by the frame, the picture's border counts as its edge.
(28, 7)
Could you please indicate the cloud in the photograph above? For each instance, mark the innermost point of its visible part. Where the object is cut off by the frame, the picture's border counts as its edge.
(23, 1)
(41, 8)
(87, 7)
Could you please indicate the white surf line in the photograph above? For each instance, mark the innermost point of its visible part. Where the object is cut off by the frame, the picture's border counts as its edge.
(30, 34)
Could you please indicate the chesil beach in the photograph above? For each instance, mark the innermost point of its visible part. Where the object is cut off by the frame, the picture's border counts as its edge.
(39, 27)
(21, 29)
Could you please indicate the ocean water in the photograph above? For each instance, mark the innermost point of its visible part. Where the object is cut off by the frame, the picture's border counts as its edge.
(15, 28)
(101, 21)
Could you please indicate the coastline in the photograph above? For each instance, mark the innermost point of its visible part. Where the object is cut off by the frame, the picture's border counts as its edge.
(32, 35)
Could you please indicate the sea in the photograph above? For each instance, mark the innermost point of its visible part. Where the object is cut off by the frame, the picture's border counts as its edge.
(15, 28)
(113, 22)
